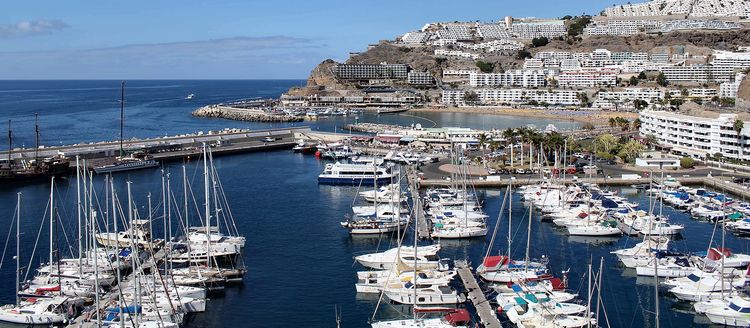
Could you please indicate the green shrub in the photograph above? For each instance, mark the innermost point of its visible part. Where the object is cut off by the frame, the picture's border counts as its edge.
(687, 163)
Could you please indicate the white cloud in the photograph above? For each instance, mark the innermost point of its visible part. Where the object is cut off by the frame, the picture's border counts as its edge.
(31, 28)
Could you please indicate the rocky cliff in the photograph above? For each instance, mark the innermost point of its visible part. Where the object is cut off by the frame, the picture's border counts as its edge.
(743, 95)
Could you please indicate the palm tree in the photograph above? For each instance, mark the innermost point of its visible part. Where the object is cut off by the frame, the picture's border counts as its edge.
(651, 140)
(510, 139)
(738, 126)
(483, 142)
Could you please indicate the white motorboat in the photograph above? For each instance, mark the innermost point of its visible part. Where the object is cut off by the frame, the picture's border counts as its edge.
(426, 258)
(456, 232)
(668, 267)
(606, 228)
(736, 312)
(425, 295)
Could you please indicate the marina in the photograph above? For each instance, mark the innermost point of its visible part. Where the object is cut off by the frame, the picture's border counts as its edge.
(266, 177)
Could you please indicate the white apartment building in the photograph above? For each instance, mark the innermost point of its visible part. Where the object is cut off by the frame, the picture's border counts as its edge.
(493, 31)
(444, 42)
(731, 59)
(625, 97)
(703, 8)
(619, 57)
(697, 136)
(570, 64)
(601, 55)
(419, 78)
(415, 37)
(660, 58)
(539, 28)
(729, 89)
(494, 97)
(459, 32)
(698, 73)
(458, 74)
(371, 71)
(518, 78)
(455, 53)
(588, 78)
(493, 46)
(560, 55)
(533, 63)
(621, 27)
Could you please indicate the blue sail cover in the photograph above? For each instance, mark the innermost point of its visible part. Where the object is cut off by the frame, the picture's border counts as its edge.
(608, 203)
(127, 309)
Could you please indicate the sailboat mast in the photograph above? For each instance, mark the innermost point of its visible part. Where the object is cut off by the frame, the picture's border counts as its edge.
(51, 218)
(416, 236)
(588, 304)
(528, 238)
(117, 246)
(185, 194)
(122, 114)
(36, 128)
(10, 148)
(78, 211)
(96, 270)
(510, 215)
(207, 206)
(599, 288)
(164, 215)
(18, 244)
(168, 204)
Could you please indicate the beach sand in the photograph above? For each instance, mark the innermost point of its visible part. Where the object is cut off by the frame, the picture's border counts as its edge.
(582, 116)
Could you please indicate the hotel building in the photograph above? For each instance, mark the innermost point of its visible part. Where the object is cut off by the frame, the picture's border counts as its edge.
(697, 136)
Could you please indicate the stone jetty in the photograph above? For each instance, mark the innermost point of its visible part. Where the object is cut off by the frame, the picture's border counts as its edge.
(243, 114)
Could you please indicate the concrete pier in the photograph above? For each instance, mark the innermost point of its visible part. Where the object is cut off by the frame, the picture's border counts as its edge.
(487, 316)
(163, 145)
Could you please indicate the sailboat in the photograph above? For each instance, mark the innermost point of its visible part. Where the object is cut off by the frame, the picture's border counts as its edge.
(459, 317)
(384, 218)
(500, 268)
(122, 162)
(41, 311)
(463, 219)
(206, 247)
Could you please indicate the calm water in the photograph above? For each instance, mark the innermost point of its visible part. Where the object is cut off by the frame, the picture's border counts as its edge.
(299, 260)
(84, 111)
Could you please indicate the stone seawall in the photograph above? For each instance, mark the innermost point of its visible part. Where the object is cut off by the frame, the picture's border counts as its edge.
(242, 114)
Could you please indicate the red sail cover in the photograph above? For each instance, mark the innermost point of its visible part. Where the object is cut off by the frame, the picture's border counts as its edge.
(494, 261)
(715, 253)
(460, 316)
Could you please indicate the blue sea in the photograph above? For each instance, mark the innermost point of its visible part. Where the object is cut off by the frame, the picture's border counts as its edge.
(299, 260)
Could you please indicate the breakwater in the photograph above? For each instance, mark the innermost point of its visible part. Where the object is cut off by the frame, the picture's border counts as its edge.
(244, 114)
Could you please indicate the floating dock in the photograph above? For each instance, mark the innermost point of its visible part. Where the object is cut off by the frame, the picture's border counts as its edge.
(487, 316)
(419, 215)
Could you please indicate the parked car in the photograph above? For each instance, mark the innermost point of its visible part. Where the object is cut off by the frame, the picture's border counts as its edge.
(269, 139)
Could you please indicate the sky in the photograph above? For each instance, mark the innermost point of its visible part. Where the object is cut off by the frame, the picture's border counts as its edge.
(250, 39)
